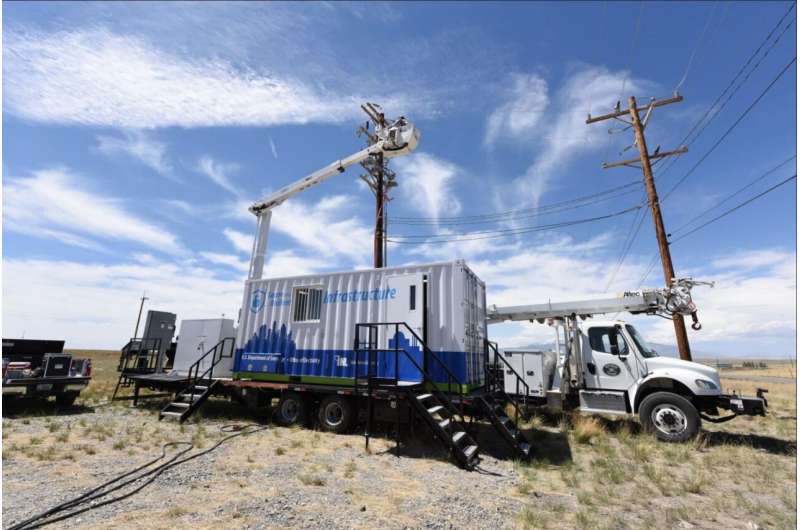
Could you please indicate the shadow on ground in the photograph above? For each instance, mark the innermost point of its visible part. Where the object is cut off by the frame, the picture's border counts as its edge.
(33, 407)
(776, 446)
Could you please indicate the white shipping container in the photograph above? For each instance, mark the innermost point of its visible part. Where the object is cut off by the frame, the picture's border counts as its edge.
(302, 328)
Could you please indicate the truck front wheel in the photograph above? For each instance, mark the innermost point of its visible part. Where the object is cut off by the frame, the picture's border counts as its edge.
(670, 416)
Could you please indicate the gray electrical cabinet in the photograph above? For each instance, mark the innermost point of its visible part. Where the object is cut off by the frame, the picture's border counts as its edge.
(160, 325)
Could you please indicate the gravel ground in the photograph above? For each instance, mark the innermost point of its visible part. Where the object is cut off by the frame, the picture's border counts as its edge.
(277, 478)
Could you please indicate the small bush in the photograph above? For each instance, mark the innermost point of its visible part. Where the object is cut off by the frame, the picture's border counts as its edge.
(311, 480)
(280, 451)
(587, 429)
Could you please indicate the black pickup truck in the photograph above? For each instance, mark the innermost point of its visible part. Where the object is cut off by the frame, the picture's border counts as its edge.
(41, 369)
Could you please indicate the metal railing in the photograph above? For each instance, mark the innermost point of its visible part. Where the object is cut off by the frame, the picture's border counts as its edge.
(499, 386)
(140, 356)
(370, 347)
(222, 350)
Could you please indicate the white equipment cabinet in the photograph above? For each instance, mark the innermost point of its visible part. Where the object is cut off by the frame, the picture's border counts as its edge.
(536, 368)
(196, 337)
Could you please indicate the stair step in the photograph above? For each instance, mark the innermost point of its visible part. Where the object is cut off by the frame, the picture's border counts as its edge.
(423, 397)
(434, 410)
(201, 388)
(190, 396)
(514, 433)
(178, 404)
(470, 451)
(170, 413)
(444, 424)
(458, 436)
(504, 420)
(525, 447)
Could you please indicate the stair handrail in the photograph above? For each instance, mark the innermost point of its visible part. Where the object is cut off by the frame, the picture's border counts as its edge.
(425, 375)
(194, 375)
(519, 380)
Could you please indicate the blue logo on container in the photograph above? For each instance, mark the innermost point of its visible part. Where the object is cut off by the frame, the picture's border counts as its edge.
(257, 300)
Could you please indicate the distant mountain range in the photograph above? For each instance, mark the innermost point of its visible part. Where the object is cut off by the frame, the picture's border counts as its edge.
(670, 350)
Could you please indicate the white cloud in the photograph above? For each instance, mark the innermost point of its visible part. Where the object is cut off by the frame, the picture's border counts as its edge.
(228, 260)
(325, 227)
(555, 123)
(95, 305)
(426, 184)
(241, 242)
(753, 300)
(55, 204)
(140, 146)
(218, 172)
(105, 79)
(520, 114)
(749, 311)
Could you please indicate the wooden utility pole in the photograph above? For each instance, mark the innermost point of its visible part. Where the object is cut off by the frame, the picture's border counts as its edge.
(380, 180)
(139, 318)
(644, 160)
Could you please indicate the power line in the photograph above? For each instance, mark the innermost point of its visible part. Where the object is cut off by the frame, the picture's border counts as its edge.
(730, 211)
(696, 47)
(492, 234)
(629, 240)
(735, 193)
(730, 85)
(512, 216)
(730, 129)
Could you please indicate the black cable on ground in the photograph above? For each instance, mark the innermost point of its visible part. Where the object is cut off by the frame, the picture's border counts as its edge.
(46, 517)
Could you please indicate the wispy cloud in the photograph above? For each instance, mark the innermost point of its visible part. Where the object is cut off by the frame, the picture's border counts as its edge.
(426, 184)
(241, 242)
(553, 122)
(518, 116)
(322, 227)
(273, 148)
(106, 79)
(218, 172)
(140, 146)
(56, 204)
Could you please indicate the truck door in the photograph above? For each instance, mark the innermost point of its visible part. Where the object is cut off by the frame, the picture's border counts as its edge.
(609, 363)
(404, 304)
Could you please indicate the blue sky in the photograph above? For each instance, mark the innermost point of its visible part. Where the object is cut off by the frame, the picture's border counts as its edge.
(136, 134)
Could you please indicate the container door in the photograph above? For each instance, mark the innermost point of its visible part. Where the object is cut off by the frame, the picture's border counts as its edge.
(404, 304)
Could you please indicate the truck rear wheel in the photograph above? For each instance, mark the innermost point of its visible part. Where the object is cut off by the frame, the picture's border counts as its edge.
(336, 414)
(292, 410)
(66, 399)
(671, 417)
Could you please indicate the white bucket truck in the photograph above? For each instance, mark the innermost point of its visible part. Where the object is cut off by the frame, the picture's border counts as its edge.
(607, 367)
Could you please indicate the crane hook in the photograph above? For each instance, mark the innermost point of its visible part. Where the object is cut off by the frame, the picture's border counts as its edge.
(696, 322)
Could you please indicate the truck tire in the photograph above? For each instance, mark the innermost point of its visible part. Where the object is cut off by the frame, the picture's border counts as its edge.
(292, 409)
(671, 417)
(66, 399)
(336, 414)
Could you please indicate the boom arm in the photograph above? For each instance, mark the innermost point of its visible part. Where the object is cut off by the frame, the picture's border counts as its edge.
(396, 138)
(675, 299)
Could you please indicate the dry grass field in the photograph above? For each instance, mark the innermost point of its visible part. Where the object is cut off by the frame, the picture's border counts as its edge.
(587, 472)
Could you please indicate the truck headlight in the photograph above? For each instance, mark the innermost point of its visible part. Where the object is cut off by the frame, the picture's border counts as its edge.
(705, 385)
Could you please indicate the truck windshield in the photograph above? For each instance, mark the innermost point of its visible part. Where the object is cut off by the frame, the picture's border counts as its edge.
(644, 348)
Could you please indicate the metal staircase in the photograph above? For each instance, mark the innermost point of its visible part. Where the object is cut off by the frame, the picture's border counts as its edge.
(201, 384)
(436, 408)
(495, 402)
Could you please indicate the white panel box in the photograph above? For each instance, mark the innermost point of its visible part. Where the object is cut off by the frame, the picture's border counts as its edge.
(197, 337)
